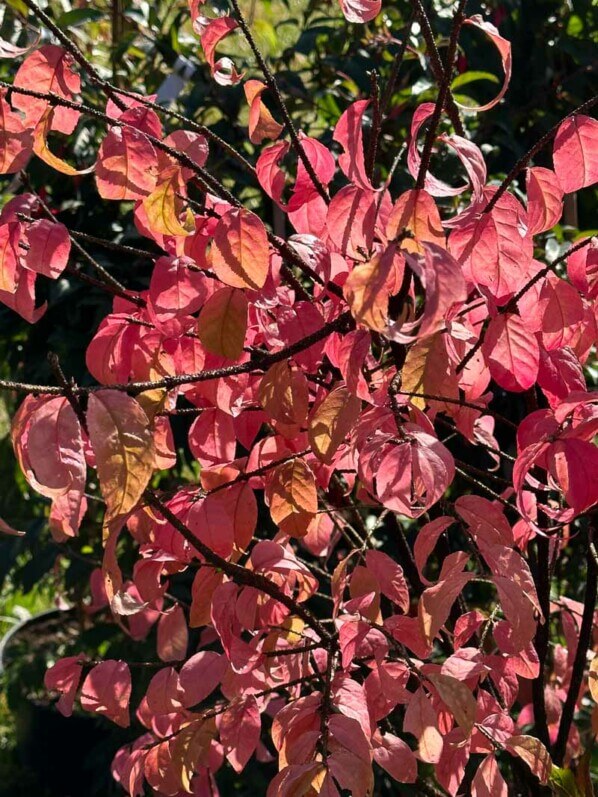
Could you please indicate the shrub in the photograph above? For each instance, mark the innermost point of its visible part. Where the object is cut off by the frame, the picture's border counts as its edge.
(353, 553)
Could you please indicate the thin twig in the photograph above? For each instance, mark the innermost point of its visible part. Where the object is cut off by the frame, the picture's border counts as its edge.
(443, 92)
(583, 644)
(273, 86)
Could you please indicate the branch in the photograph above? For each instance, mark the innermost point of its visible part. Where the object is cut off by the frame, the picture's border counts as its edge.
(443, 92)
(370, 155)
(436, 65)
(76, 53)
(240, 575)
(273, 86)
(206, 181)
(525, 159)
(583, 644)
(511, 305)
(396, 67)
(117, 288)
(133, 388)
(542, 638)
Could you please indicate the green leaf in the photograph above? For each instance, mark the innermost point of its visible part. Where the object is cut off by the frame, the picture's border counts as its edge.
(471, 77)
(562, 782)
(79, 16)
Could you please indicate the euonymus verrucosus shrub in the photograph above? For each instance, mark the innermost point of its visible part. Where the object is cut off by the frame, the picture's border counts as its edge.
(340, 385)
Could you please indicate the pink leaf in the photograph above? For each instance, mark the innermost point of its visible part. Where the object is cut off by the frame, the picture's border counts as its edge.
(544, 199)
(49, 248)
(64, 677)
(360, 10)
(349, 134)
(107, 691)
(200, 675)
(576, 153)
(390, 577)
(396, 757)
(488, 782)
(512, 353)
(212, 437)
(504, 50)
(173, 635)
(240, 731)
(164, 693)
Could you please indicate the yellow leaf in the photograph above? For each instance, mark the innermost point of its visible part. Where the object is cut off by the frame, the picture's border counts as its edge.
(367, 290)
(593, 678)
(190, 749)
(414, 370)
(332, 421)
(293, 498)
(163, 206)
(284, 393)
(415, 212)
(427, 369)
(222, 323)
(40, 147)
(123, 444)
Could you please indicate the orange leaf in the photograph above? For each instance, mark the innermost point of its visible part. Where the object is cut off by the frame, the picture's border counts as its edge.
(457, 698)
(284, 393)
(240, 255)
(262, 124)
(40, 147)
(291, 492)
(163, 206)
(332, 421)
(368, 288)
(223, 323)
(533, 752)
(123, 444)
(415, 212)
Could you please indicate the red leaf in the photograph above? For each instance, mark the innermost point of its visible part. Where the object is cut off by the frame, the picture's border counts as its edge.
(504, 50)
(49, 248)
(512, 353)
(200, 675)
(240, 731)
(576, 153)
(348, 131)
(64, 677)
(239, 254)
(173, 635)
(107, 691)
(127, 166)
(544, 199)
(495, 247)
(50, 69)
(390, 577)
(16, 141)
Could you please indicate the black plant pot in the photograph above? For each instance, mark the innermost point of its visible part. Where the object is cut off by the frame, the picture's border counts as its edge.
(67, 756)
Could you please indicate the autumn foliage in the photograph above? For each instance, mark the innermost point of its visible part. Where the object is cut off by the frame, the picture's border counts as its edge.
(368, 597)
